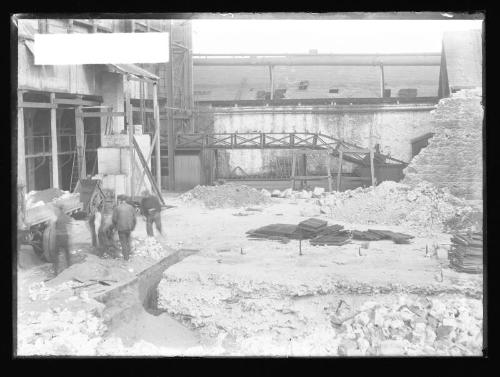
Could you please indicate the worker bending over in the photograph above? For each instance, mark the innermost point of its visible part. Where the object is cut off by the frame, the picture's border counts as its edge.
(151, 209)
(124, 221)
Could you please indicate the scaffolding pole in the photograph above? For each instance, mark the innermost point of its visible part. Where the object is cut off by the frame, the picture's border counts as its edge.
(53, 137)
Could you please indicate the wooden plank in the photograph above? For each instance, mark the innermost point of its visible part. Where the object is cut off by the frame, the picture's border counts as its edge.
(310, 177)
(53, 138)
(37, 105)
(75, 101)
(146, 109)
(80, 114)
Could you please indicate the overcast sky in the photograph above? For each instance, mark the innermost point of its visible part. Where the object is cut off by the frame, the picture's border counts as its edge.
(327, 36)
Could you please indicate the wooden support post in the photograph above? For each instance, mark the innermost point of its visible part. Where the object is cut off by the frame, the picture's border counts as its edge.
(382, 83)
(80, 144)
(294, 162)
(53, 138)
(157, 130)
(21, 152)
(303, 168)
(130, 132)
(170, 118)
(271, 82)
(372, 170)
(328, 172)
(339, 173)
(142, 113)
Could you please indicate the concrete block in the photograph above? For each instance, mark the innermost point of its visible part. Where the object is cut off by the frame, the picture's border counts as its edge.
(109, 160)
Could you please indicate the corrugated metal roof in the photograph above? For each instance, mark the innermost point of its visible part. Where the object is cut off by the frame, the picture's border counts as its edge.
(464, 58)
(243, 82)
(133, 70)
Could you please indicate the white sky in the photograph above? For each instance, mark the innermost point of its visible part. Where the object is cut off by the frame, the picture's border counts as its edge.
(327, 36)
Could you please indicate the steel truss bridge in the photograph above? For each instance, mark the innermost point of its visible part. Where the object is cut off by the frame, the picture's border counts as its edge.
(282, 140)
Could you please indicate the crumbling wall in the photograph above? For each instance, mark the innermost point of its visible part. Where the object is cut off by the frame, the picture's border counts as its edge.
(454, 157)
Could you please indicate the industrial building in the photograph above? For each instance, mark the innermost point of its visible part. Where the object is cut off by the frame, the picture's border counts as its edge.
(305, 204)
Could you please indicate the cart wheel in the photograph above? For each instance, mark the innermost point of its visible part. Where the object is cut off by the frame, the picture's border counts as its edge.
(49, 242)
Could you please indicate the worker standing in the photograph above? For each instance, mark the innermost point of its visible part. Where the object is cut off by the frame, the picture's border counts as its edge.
(151, 209)
(61, 248)
(124, 221)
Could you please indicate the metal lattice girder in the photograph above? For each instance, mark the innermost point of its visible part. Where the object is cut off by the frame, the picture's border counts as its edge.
(280, 140)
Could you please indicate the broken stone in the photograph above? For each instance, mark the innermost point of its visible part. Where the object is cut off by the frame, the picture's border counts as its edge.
(347, 347)
(444, 332)
(392, 348)
(265, 193)
(287, 193)
(318, 191)
(276, 193)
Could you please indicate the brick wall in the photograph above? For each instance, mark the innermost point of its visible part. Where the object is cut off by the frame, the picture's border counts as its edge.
(453, 158)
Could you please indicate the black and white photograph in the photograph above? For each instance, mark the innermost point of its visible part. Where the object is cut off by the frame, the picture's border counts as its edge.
(249, 185)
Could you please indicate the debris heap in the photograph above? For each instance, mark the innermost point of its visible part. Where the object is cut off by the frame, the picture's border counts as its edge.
(227, 195)
(149, 247)
(392, 203)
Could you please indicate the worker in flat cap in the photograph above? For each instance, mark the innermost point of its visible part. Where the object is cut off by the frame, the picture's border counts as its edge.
(124, 221)
(61, 247)
(151, 209)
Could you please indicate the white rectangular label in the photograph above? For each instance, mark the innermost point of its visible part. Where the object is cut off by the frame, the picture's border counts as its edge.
(101, 48)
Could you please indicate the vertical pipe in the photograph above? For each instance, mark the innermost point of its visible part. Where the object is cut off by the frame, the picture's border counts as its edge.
(339, 173)
(53, 137)
(157, 126)
(21, 152)
(271, 82)
(382, 83)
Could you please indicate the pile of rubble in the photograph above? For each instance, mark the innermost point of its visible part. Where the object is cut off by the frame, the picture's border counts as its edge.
(59, 332)
(227, 195)
(149, 247)
(391, 203)
(436, 326)
(261, 322)
(40, 198)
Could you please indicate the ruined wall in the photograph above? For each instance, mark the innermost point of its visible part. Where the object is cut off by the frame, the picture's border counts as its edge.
(453, 158)
(392, 129)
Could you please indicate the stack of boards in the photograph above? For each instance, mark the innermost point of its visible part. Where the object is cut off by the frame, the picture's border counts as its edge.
(320, 233)
(466, 252)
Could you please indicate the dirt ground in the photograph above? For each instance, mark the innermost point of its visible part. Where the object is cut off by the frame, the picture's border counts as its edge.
(247, 297)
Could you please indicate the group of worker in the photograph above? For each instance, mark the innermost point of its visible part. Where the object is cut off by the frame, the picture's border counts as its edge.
(123, 220)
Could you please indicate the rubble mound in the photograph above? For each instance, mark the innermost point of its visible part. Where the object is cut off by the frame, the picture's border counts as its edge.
(149, 247)
(422, 206)
(225, 196)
